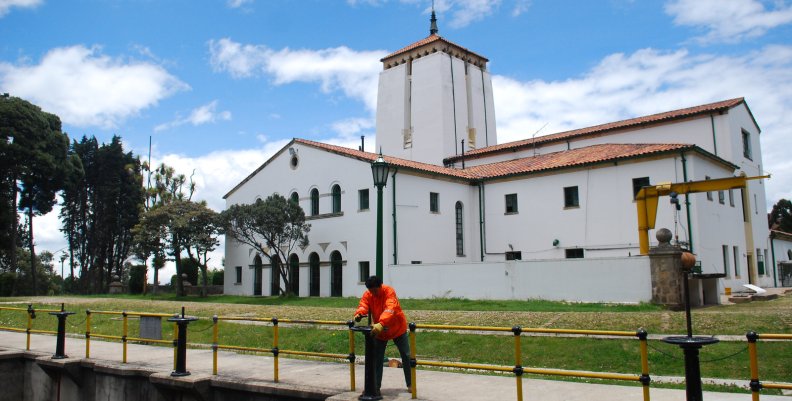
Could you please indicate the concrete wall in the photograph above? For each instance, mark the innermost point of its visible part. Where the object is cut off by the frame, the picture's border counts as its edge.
(581, 280)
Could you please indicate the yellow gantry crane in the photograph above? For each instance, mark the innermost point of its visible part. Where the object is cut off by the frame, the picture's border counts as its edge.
(647, 198)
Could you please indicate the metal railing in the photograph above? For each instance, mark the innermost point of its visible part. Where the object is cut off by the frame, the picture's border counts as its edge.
(518, 370)
(755, 384)
(276, 351)
(517, 332)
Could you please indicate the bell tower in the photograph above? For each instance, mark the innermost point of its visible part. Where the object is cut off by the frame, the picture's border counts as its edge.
(433, 96)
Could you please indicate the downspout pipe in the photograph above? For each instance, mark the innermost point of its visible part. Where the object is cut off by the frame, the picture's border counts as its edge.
(772, 250)
(714, 138)
(395, 239)
(481, 219)
(687, 203)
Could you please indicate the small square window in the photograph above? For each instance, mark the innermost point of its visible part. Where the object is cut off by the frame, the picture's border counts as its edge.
(571, 197)
(238, 274)
(363, 199)
(574, 253)
(638, 183)
(434, 202)
(511, 204)
(364, 271)
(514, 255)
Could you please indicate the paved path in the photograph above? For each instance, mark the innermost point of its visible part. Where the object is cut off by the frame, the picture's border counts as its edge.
(431, 385)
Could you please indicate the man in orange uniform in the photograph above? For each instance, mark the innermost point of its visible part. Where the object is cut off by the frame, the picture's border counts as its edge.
(389, 324)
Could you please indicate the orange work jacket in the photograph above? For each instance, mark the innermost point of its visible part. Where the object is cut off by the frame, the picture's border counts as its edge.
(385, 309)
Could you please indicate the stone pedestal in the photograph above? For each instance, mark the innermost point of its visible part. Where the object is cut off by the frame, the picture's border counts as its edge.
(116, 287)
(666, 269)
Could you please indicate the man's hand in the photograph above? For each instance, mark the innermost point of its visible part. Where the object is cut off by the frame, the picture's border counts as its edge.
(358, 317)
(376, 329)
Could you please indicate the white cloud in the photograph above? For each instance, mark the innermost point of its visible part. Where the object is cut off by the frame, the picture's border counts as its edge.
(6, 5)
(202, 115)
(649, 81)
(354, 73)
(86, 88)
(728, 21)
(465, 12)
(238, 3)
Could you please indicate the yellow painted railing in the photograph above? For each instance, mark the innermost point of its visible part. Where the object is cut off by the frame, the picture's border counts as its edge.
(518, 369)
(276, 351)
(756, 385)
(124, 337)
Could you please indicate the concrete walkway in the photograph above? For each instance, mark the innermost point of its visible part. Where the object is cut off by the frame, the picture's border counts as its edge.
(333, 378)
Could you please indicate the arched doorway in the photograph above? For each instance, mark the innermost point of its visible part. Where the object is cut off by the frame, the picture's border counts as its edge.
(294, 274)
(313, 262)
(257, 265)
(275, 276)
(335, 274)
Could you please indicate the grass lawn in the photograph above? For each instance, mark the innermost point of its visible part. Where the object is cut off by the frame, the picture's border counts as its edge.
(728, 360)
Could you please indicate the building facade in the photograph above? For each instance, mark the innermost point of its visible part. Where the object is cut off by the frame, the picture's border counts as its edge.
(456, 197)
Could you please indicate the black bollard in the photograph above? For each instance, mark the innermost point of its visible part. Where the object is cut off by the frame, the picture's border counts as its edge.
(690, 347)
(370, 390)
(60, 344)
(181, 344)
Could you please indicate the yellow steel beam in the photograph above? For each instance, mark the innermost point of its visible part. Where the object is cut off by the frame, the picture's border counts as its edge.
(647, 198)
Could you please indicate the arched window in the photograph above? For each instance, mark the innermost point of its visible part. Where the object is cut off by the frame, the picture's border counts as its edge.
(460, 243)
(336, 198)
(313, 262)
(295, 198)
(257, 267)
(294, 274)
(335, 274)
(275, 276)
(314, 202)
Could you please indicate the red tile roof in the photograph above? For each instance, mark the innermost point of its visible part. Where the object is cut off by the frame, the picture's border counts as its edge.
(429, 39)
(573, 158)
(552, 161)
(603, 128)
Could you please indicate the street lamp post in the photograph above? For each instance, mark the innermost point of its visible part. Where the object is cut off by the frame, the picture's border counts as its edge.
(379, 169)
(63, 279)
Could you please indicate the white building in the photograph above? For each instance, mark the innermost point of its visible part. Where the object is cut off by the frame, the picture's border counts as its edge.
(555, 215)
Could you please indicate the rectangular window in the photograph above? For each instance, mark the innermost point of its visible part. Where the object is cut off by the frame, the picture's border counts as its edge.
(511, 204)
(571, 197)
(514, 255)
(364, 272)
(363, 199)
(731, 197)
(238, 274)
(576, 253)
(721, 197)
(434, 202)
(726, 269)
(638, 183)
(709, 194)
(760, 262)
(746, 140)
(736, 261)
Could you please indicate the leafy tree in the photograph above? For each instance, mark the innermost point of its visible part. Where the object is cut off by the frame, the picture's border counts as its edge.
(780, 217)
(181, 226)
(33, 168)
(218, 276)
(272, 227)
(137, 275)
(100, 206)
(167, 187)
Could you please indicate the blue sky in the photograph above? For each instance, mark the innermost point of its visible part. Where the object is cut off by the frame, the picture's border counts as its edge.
(220, 85)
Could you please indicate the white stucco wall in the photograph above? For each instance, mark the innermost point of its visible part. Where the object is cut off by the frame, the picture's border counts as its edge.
(626, 280)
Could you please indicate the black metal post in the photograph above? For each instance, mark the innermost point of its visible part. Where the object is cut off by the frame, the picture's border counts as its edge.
(181, 344)
(370, 390)
(690, 347)
(60, 344)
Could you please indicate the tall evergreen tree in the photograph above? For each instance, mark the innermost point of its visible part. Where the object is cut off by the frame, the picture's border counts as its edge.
(33, 168)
